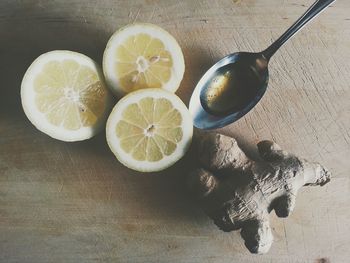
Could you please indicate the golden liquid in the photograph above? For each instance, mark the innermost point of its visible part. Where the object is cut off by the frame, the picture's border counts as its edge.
(231, 90)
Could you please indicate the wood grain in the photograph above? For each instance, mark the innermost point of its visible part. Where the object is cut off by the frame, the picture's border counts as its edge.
(73, 202)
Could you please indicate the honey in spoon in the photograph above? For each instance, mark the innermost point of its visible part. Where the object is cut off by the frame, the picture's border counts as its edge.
(232, 89)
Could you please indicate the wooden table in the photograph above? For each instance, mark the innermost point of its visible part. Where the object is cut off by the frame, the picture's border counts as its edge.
(73, 202)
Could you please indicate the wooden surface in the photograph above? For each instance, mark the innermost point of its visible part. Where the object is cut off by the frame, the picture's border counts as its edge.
(73, 202)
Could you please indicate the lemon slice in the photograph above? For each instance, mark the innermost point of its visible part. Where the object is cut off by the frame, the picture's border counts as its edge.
(63, 94)
(140, 56)
(149, 130)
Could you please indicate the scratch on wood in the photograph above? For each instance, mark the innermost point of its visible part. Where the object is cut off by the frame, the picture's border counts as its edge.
(61, 187)
(285, 236)
(110, 191)
(81, 181)
(152, 14)
(303, 239)
(137, 15)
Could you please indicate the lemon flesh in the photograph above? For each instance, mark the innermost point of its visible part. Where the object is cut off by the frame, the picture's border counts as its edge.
(146, 135)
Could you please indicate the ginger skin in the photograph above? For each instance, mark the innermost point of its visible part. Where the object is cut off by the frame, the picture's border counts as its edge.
(239, 193)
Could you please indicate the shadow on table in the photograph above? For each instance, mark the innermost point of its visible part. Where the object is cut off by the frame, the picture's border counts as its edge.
(25, 34)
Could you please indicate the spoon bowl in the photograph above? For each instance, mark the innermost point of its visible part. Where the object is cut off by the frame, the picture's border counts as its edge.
(236, 83)
(215, 103)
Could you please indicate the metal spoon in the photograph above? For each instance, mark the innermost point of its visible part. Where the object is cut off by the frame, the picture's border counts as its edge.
(235, 84)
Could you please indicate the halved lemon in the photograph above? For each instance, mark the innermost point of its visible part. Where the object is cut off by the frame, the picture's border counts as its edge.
(64, 95)
(149, 130)
(140, 56)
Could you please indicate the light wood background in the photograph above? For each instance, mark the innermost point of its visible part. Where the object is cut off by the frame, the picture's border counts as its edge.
(73, 202)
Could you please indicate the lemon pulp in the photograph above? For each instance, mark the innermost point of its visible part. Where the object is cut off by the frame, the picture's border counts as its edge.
(150, 129)
(142, 62)
(69, 94)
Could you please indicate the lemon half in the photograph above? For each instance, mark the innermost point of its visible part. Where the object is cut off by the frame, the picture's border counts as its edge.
(149, 130)
(64, 95)
(140, 56)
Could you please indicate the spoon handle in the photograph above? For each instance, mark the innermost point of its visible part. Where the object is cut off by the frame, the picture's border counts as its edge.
(312, 12)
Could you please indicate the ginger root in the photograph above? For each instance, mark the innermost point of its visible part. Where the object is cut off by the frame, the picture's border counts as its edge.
(239, 193)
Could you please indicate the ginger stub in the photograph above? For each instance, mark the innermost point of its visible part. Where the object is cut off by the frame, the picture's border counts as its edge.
(239, 193)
